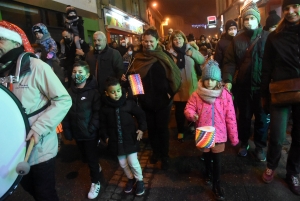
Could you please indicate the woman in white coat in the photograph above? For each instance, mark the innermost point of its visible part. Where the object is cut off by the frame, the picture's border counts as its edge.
(187, 59)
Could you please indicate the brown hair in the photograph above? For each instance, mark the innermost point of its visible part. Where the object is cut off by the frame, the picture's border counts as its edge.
(178, 33)
(281, 25)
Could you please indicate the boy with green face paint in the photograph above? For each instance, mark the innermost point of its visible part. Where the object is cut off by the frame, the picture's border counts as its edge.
(82, 120)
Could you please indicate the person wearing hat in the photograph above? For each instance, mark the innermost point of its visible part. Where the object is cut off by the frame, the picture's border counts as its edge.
(281, 62)
(41, 92)
(76, 24)
(226, 38)
(212, 105)
(43, 37)
(272, 21)
(242, 66)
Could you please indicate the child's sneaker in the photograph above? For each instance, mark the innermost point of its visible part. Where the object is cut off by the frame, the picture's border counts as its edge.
(140, 189)
(129, 185)
(94, 191)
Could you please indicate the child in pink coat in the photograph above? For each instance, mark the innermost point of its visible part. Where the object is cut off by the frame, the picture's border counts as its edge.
(211, 96)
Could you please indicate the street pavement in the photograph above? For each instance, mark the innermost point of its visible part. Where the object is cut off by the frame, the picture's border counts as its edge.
(241, 176)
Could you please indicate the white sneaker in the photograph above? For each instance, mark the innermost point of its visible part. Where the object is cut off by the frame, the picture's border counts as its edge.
(100, 168)
(94, 191)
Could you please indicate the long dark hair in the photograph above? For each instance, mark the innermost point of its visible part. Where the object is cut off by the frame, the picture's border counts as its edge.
(281, 25)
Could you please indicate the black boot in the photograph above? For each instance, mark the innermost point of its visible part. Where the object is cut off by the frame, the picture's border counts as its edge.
(208, 168)
(218, 191)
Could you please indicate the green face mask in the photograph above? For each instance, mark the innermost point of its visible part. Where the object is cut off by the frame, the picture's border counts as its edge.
(79, 78)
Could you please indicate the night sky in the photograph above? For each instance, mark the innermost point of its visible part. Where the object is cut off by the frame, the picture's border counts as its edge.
(192, 11)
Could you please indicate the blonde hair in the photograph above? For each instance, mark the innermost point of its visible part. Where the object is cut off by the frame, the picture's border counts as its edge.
(178, 33)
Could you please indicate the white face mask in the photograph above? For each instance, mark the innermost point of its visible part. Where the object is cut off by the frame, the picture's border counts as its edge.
(123, 44)
(253, 24)
(232, 33)
(130, 52)
(272, 29)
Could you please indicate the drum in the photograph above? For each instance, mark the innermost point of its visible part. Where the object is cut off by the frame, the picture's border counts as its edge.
(14, 127)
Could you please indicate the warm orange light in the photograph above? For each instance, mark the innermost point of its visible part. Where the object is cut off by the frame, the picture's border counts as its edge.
(167, 19)
(154, 4)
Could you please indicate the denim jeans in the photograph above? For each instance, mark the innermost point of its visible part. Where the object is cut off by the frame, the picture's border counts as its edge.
(279, 119)
(249, 104)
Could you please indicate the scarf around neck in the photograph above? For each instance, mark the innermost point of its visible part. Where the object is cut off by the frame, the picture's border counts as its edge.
(144, 60)
(180, 56)
(208, 95)
(8, 60)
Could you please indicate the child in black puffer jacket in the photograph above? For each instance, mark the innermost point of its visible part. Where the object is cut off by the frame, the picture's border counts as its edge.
(82, 120)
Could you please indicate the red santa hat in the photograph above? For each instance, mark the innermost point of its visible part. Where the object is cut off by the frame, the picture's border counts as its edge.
(14, 33)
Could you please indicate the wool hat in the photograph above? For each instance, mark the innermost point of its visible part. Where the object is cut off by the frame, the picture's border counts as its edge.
(37, 29)
(289, 2)
(272, 19)
(70, 9)
(229, 24)
(251, 9)
(211, 70)
(14, 33)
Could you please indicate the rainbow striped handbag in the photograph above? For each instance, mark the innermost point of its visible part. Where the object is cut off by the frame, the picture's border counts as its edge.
(205, 136)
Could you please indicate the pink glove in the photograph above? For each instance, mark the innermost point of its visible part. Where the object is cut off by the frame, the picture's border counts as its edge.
(50, 55)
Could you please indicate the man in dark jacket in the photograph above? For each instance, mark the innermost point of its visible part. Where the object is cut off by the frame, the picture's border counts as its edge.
(281, 62)
(244, 68)
(71, 52)
(226, 38)
(104, 61)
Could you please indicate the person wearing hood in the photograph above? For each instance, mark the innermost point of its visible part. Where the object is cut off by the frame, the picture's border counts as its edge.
(226, 38)
(281, 62)
(82, 121)
(242, 65)
(272, 21)
(104, 60)
(43, 37)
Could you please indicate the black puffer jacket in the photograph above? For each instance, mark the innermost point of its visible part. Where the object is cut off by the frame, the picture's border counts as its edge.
(109, 126)
(281, 60)
(221, 48)
(249, 69)
(82, 120)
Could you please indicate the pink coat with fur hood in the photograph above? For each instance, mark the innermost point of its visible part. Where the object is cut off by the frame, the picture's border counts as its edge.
(225, 119)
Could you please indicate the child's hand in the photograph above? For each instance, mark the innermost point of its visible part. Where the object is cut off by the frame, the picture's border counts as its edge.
(235, 142)
(139, 135)
(50, 55)
(106, 140)
(196, 117)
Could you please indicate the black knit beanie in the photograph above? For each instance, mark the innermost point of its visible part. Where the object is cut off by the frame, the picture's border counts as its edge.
(289, 2)
(229, 24)
(272, 19)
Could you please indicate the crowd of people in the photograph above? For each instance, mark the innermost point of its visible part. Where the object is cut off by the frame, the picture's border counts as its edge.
(93, 98)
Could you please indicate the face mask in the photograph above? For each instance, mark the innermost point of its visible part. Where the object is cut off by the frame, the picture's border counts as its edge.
(79, 78)
(272, 29)
(67, 40)
(123, 44)
(98, 47)
(232, 33)
(203, 41)
(253, 24)
(37, 55)
(130, 52)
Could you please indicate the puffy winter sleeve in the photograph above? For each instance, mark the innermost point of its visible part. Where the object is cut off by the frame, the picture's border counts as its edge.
(191, 107)
(94, 123)
(230, 118)
(140, 116)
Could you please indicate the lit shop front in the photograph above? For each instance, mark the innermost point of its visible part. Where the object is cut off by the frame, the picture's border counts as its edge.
(121, 26)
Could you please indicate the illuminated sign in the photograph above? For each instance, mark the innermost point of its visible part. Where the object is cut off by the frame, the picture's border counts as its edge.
(211, 20)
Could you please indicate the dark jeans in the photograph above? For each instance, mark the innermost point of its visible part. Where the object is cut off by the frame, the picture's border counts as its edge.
(40, 181)
(179, 115)
(89, 152)
(249, 103)
(158, 131)
(279, 119)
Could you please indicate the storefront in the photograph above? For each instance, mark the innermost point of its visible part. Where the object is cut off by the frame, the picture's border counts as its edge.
(27, 13)
(121, 26)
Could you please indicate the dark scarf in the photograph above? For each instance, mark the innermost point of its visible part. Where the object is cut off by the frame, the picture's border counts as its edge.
(180, 56)
(144, 61)
(9, 60)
